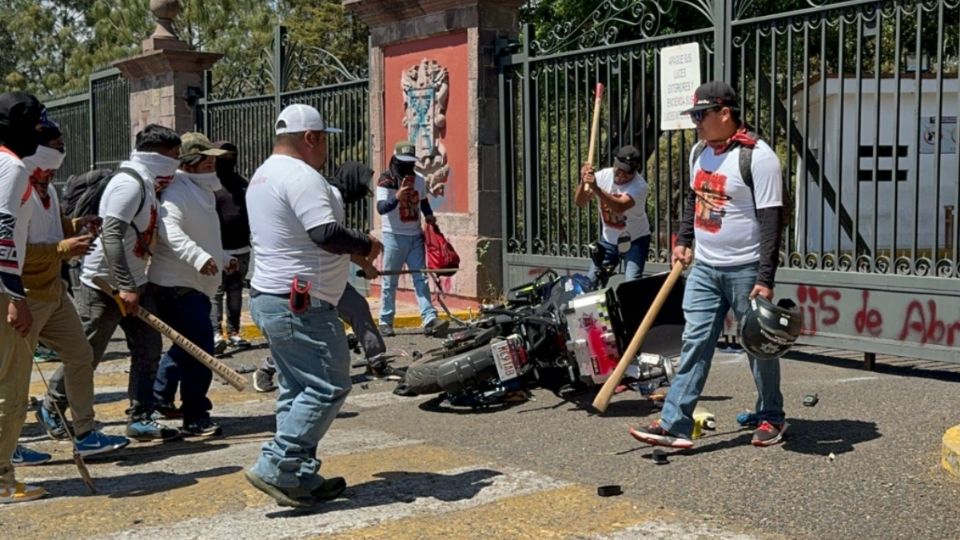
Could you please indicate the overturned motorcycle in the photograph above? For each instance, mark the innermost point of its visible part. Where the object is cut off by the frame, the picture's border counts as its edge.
(562, 333)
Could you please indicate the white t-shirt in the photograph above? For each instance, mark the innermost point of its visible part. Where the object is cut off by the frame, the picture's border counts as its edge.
(120, 200)
(45, 225)
(188, 236)
(15, 190)
(285, 199)
(725, 224)
(405, 218)
(634, 221)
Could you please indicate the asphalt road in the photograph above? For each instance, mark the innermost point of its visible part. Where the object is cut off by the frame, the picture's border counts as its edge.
(531, 470)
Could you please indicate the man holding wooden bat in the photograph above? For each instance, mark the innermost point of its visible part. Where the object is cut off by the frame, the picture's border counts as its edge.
(733, 221)
(621, 193)
(302, 255)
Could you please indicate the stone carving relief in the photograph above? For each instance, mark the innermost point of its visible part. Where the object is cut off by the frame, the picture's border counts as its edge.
(425, 93)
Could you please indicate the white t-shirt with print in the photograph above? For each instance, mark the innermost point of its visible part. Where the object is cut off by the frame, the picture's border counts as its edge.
(725, 224)
(15, 190)
(405, 218)
(120, 200)
(285, 199)
(634, 221)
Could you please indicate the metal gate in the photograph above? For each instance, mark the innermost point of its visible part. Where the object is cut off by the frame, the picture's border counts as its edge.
(344, 103)
(860, 100)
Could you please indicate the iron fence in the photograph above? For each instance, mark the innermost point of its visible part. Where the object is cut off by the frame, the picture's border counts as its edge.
(858, 98)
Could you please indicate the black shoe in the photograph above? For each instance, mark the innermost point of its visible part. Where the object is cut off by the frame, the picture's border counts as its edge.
(295, 497)
(404, 390)
(386, 330)
(384, 372)
(329, 489)
(436, 328)
(201, 428)
(168, 410)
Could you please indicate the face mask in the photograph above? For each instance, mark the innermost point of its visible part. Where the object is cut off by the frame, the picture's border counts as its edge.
(45, 159)
(207, 180)
(160, 166)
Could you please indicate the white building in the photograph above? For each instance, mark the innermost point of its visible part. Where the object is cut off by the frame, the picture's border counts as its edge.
(920, 209)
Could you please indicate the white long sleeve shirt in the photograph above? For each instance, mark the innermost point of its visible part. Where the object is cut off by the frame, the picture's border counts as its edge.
(189, 237)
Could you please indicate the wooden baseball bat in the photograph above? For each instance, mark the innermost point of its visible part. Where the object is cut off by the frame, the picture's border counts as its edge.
(233, 378)
(606, 391)
(594, 129)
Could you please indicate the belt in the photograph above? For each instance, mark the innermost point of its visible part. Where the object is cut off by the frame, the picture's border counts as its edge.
(254, 293)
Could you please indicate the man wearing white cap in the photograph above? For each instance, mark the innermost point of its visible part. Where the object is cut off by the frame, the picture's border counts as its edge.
(302, 254)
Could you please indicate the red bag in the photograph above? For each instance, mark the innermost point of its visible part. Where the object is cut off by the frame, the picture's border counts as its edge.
(440, 252)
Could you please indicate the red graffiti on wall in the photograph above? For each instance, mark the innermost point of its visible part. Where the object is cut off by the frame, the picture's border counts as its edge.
(868, 319)
(818, 308)
(925, 324)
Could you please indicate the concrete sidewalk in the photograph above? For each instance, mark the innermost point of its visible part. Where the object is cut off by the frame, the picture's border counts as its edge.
(407, 312)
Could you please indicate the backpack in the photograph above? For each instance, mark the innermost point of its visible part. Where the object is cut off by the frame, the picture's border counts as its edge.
(440, 253)
(746, 172)
(82, 193)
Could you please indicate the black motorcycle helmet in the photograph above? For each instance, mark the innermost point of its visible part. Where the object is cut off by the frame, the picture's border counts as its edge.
(767, 331)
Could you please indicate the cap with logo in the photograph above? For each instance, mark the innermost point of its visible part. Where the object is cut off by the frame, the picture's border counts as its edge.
(405, 151)
(197, 144)
(298, 118)
(628, 159)
(713, 94)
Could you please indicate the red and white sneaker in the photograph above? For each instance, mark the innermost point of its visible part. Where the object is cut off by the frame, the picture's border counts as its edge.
(656, 435)
(768, 434)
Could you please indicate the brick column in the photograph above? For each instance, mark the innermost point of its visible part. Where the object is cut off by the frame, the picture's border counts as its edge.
(166, 79)
(460, 38)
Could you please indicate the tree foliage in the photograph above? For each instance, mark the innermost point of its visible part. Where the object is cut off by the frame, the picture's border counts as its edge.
(52, 47)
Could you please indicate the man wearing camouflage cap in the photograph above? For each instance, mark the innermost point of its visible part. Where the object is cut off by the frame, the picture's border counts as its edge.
(184, 274)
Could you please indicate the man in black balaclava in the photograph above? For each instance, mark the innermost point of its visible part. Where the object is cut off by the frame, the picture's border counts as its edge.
(20, 115)
(235, 234)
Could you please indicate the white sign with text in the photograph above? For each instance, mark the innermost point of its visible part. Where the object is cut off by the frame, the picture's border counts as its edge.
(679, 79)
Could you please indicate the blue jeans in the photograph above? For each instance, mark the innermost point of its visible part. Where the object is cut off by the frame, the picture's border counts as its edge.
(188, 312)
(710, 293)
(397, 250)
(313, 365)
(636, 258)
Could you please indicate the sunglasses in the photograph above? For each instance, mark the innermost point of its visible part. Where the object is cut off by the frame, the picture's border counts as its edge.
(698, 116)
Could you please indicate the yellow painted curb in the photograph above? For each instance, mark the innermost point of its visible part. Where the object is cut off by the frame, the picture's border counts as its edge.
(951, 451)
(249, 331)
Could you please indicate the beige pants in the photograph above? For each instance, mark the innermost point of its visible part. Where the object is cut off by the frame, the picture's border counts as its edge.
(58, 326)
(16, 357)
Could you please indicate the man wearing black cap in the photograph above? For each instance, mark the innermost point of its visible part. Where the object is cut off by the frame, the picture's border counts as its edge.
(235, 234)
(734, 214)
(621, 193)
(20, 115)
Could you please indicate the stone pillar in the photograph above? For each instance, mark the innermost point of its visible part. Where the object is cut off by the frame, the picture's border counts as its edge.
(433, 78)
(166, 79)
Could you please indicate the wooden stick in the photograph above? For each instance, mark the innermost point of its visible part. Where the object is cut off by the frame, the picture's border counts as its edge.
(606, 391)
(594, 130)
(232, 378)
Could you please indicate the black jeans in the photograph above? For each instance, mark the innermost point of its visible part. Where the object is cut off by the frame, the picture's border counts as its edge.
(232, 285)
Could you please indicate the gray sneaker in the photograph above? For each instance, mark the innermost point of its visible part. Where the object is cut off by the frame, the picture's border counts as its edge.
(150, 430)
(263, 381)
(386, 330)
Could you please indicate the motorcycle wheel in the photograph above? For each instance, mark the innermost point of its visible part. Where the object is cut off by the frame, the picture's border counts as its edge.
(466, 370)
(421, 378)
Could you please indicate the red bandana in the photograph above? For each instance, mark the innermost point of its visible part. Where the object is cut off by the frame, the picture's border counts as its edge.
(742, 137)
